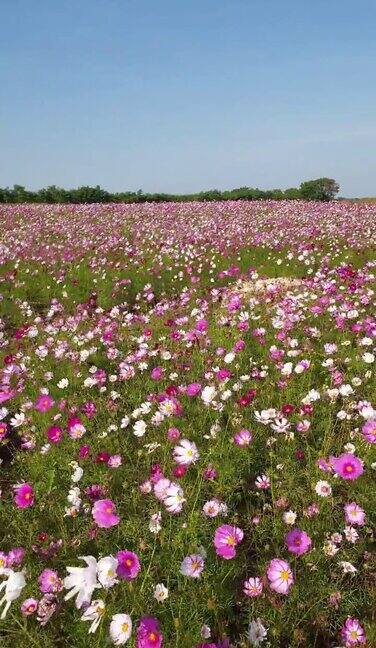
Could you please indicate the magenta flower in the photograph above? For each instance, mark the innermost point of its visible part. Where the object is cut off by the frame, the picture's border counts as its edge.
(280, 576)
(352, 633)
(354, 514)
(128, 565)
(44, 403)
(23, 495)
(29, 606)
(157, 373)
(49, 582)
(54, 434)
(369, 431)
(148, 633)
(193, 389)
(226, 538)
(298, 542)
(347, 466)
(3, 430)
(104, 513)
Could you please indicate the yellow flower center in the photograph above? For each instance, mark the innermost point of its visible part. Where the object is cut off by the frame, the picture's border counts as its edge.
(284, 575)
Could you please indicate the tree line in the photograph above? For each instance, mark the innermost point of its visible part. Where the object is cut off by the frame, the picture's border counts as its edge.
(321, 189)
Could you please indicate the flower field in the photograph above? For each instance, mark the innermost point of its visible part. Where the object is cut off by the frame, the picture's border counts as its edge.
(188, 425)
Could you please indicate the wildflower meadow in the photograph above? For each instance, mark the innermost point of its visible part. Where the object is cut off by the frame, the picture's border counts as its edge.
(188, 425)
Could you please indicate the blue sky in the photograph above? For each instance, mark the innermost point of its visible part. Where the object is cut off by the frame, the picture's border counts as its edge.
(173, 95)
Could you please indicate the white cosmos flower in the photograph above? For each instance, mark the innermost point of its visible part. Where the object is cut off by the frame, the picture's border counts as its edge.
(348, 568)
(160, 592)
(94, 613)
(63, 383)
(323, 488)
(13, 587)
(208, 394)
(77, 474)
(174, 499)
(139, 428)
(106, 571)
(186, 452)
(265, 416)
(120, 629)
(18, 420)
(82, 581)
(256, 632)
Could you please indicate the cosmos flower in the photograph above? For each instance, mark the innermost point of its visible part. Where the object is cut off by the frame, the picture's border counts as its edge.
(352, 633)
(29, 606)
(82, 581)
(49, 581)
(12, 587)
(104, 513)
(256, 632)
(148, 633)
(226, 538)
(186, 452)
(354, 514)
(243, 438)
(280, 576)
(107, 571)
(192, 566)
(253, 587)
(348, 466)
(94, 613)
(128, 566)
(23, 495)
(298, 542)
(369, 430)
(44, 403)
(120, 629)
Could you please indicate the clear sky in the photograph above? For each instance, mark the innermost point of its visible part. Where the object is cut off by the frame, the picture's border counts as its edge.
(182, 95)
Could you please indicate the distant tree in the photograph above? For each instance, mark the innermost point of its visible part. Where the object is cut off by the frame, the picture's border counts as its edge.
(292, 193)
(323, 189)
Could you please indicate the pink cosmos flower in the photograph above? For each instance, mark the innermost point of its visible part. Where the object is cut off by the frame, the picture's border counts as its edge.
(348, 466)
(242, 438)
(157, 373)
(75, 428)
(44, 403)
(104, 513)
(193, 389)
(354, 514)
(29, 606)
(3, 430)
(192, 566)
(114, 461)
(148, 633)
(226, 538)
(16, 556)
(352, 633)
(253, 587)
(369, 431)
(128, 565)
(54, 434)
(49, 581)
(298, 542)
(280, 576)
(24, 495)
